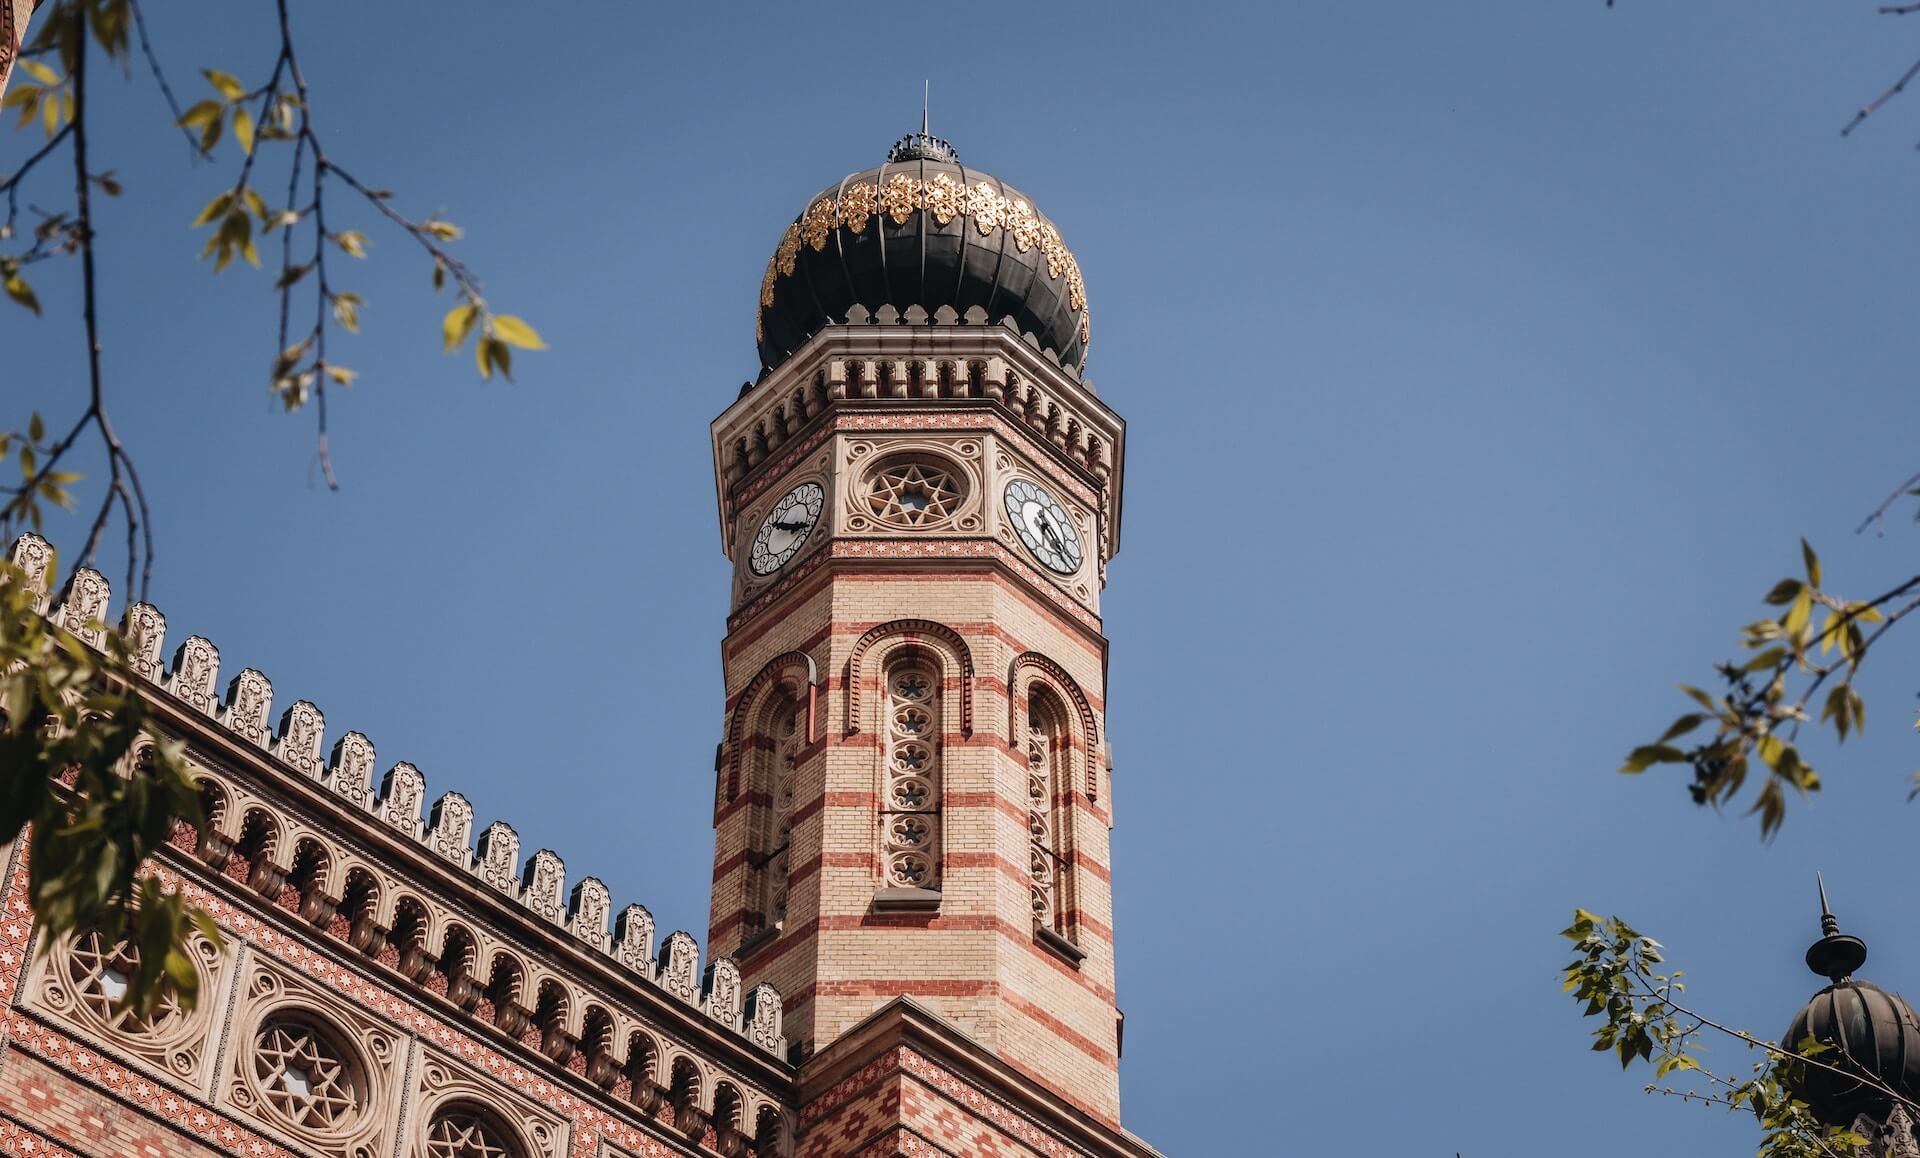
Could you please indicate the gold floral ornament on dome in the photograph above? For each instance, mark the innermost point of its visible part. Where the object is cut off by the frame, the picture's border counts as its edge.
(1054, 251)
(940, 196)
(789, 250)
(944, 198)
(899, 197)
(1024, 223)
(985, 205)
(818, 224)
(856, 206)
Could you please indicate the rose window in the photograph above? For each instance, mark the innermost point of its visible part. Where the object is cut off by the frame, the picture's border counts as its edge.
(101, 973)
(913, 494)
(910, 809)
(308, 1079)
(461, 1133)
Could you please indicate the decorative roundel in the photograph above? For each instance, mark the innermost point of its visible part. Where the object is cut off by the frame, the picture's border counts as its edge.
(1044, 527)
(786, 528)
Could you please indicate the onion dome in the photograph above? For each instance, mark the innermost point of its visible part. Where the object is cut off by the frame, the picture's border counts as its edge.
(923, 230)
(1872, 1033)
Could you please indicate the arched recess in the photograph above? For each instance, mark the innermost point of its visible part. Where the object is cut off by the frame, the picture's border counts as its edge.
(859, 675)
(1064, 686)
(797, 674)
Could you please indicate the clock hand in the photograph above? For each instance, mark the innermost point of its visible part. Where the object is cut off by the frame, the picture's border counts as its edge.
(1046, 529)
(791, 526)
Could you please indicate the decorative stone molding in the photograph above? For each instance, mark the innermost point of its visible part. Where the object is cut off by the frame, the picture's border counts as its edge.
(589, 907)
(83, 606)
(351, 772)
(196, 668)
(78, 982)
(450, 828)
(145, 630)
(1056, 677)
(909, 631)
(722, 992)
(274, 1004)
(34, 556)
(249, 699)
(402, 791)
(544, 881)
(763, 1020)
(302, 735)
(633, 940)
(499, 848)
(796, 671)
(680, 967)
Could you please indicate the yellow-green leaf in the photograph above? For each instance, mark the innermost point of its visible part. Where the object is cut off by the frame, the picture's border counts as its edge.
(457, 325)
(243, 130)
(21, 292)
(342, 375)
(213, 209)
(40, 72)
(200, 115)
(516, 332)
(1813, 563)
(226, 84)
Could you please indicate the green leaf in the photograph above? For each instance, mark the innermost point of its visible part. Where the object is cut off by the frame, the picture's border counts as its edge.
(516, 332)
(352, 242)
(1812, 561)
(226, 84)
(1784, 592)
(40, 72)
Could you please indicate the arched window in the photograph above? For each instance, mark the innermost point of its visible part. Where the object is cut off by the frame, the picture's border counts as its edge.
(771, 832)
(910, 796)
(1049, 812)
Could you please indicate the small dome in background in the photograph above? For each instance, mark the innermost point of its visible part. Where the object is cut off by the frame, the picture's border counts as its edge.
(923, 230)
(1872, 1033)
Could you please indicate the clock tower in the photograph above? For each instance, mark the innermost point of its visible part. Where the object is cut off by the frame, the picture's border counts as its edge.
(920, 494)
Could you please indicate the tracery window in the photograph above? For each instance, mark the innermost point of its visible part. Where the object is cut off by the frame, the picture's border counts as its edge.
(100, 973)
(910, 800)
(773, 830)
(912, 493)
(305, 1075)
(1049, 815)
(463, 1131)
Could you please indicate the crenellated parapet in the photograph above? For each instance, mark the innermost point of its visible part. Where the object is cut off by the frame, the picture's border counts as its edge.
(269, 793)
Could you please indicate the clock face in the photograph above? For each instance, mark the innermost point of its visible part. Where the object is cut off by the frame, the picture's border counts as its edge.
(786, 528)
(1044, 527)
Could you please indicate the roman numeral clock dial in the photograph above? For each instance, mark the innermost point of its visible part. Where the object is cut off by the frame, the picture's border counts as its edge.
(786, 528)
(1043, 527)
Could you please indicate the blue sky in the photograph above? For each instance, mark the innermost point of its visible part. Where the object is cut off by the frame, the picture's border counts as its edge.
(1482, 361)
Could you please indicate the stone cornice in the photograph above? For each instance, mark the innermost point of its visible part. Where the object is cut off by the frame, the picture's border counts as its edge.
(878, 366)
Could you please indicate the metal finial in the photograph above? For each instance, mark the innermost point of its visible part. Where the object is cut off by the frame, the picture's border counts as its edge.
(1835, 955)
(926, 98)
